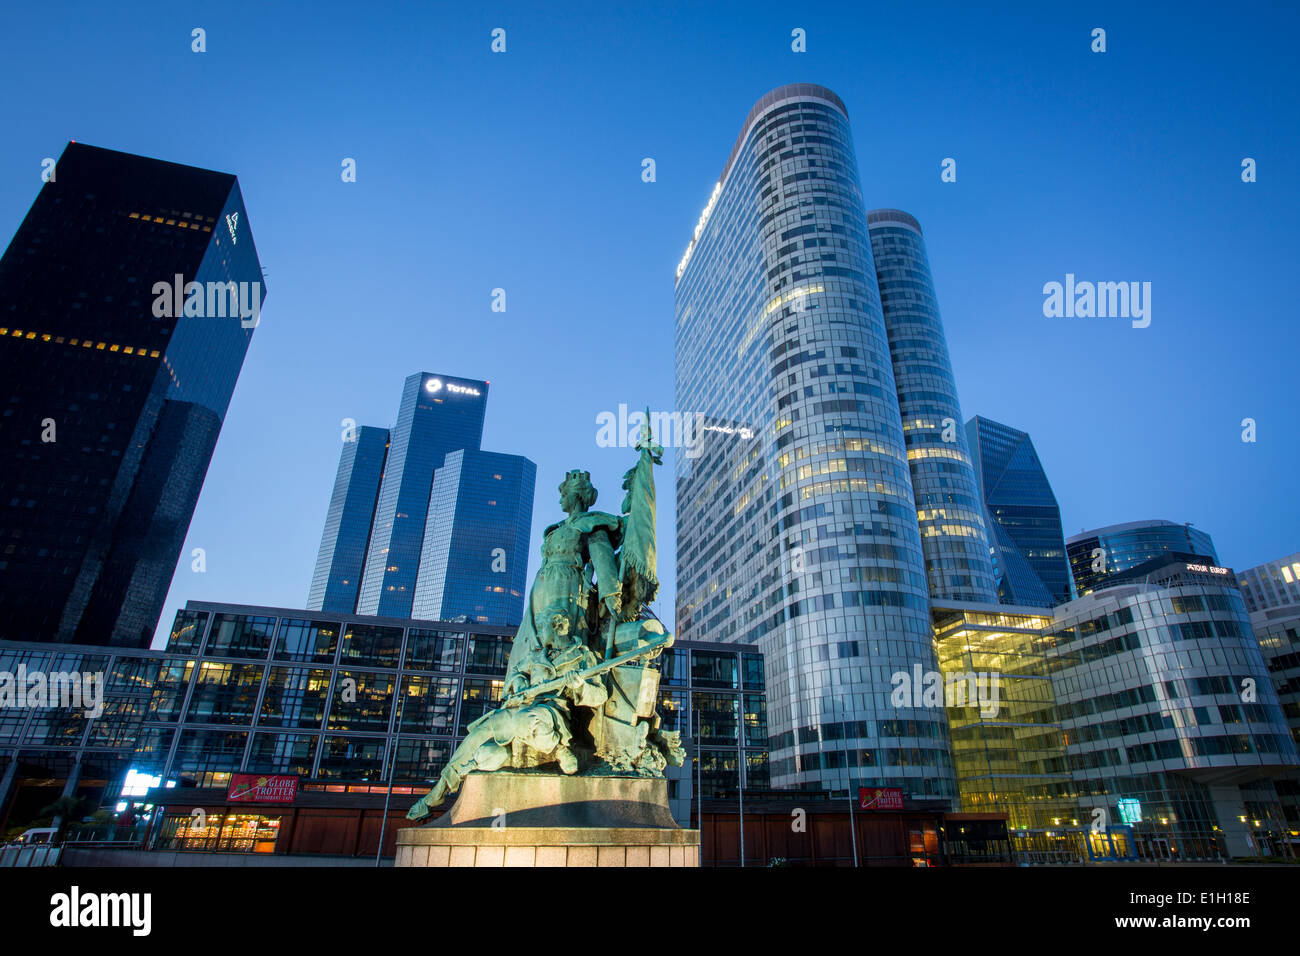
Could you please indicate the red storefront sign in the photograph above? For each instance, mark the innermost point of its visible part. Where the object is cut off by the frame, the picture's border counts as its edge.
(880, 798)
(262, 788)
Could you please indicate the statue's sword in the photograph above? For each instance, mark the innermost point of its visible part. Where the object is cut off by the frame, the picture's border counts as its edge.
(528, 694)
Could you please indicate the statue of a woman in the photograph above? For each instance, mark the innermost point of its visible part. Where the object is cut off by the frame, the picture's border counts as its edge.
(580, 691)
(585, 541)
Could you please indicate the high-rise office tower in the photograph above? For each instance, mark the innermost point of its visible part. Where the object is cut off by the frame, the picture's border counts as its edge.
(1097, 554)
(475, 555)
(127, 300)
(405, 519)
(796, 521)
(1023, 518)
(337, 581)
(437, 415)
(948, 505)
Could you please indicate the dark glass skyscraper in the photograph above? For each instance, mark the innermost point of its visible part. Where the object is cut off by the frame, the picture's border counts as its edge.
(1023, 518)
(437, 415)
(948, 506)
(796, 522)
(337, 581)
(404, 519)
(116, 371)
(1097, 554)
(475, 555)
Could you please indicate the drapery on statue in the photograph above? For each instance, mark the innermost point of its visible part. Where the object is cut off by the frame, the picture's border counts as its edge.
(580, 691)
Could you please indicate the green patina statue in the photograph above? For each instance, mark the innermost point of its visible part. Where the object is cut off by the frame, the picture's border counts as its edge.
(580, 689)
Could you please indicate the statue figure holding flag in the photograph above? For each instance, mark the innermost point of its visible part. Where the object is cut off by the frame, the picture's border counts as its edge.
(581, 690)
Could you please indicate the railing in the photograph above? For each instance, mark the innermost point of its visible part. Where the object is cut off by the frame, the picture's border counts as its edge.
(42, 854)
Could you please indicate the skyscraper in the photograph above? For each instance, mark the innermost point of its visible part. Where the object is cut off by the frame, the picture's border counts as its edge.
(437, 415)
(128, 297)
(948, 505)
(1095, 555)
(475, 555)
(1023, 518)
(337, 581)
(407, 519)
(796, 522)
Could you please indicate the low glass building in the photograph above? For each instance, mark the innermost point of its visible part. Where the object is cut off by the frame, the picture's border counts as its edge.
(1007, 742)
(49, 751)
(1171, 722)
(1096, 555)
(1272, 594)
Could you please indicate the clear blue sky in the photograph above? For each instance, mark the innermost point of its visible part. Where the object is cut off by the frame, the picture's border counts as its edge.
(523, 171)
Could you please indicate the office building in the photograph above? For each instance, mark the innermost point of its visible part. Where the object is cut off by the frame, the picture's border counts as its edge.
(796, 521)
(391, 528)
(356, 708)
(437, 415)
(948, 506)
(1172, 724)
(474, 560)
(337, 581)
(1273, 600)
(1097, 554)
(128, 297)
(1007, 742)
(1023, 518)
(1272, 585)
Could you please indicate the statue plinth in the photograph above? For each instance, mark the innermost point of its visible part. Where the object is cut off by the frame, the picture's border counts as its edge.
(541, 819)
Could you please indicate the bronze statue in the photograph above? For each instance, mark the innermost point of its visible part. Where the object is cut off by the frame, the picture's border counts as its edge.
(581, 692)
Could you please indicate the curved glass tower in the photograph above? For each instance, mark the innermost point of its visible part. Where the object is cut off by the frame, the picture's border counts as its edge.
(796, 522)
(948, 506)
(1125, 546)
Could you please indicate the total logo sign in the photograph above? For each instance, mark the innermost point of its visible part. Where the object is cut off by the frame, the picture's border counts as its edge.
(435, 385)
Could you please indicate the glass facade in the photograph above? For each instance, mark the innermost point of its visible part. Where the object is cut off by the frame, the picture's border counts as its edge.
(1095, 555)
(437, 415)
(474, 560)
(948, 507)
(49, 750)
(1270, 593)
(715, 697)
(1272, 585)
(1010, 754)
(115, 393)
(337, 580)
(1024, 521)
(270, 691)
(796, 520)
(1165, 699)
(423, 524)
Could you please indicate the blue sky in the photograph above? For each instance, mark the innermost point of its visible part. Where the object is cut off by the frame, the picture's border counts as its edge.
(522, 171)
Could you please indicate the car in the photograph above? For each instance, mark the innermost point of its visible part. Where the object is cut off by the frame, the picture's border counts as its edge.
(36, 836)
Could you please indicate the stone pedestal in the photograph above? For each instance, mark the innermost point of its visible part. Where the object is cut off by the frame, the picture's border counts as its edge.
(536, 819)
